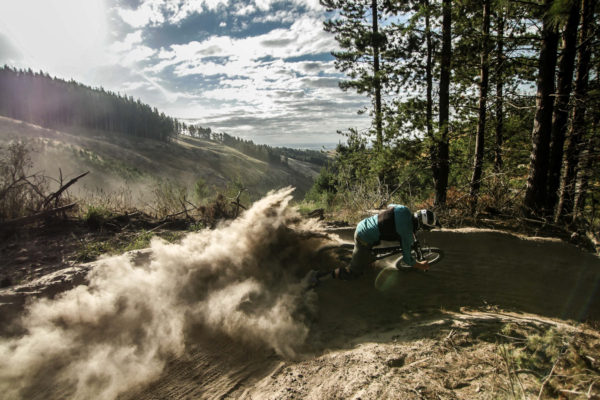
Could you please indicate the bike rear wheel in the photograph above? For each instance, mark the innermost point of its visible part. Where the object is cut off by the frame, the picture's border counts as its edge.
(384, 252)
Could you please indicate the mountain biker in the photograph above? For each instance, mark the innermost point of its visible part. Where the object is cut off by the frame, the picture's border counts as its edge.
(396, 223)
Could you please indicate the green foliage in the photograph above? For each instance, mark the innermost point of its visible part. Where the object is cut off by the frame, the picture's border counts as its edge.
(558, 358)
(198, 131)
(325, 182)
(201, 190)
(140, 241)
(96, 216)
(272, 155)
(92, 250)
(540, 351)
(215, 211)
(361, 178)
(197, 226)
(411, 53)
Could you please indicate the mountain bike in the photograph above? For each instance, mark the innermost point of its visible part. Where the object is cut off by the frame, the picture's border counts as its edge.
(344, 251)
(419, 252)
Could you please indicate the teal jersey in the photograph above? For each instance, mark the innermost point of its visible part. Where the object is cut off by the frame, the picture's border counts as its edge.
(368, 230)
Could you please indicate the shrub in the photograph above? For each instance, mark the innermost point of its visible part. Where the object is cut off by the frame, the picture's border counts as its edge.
(169, 198)
(97, 216)
(21, 193)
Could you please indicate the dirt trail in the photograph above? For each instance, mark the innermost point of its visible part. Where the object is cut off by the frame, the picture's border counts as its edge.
(368, 330)
(541, 276)
(222, 315)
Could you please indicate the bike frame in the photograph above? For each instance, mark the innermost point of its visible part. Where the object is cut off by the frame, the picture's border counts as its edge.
(385, 252)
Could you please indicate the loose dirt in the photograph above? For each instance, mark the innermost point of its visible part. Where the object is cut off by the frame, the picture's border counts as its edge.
(389, 335)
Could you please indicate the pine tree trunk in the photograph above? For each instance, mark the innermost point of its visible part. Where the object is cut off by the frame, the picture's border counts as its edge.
(499, 94)
(577, 128)
(591, 158)
(587, 162)
(429, 90)
(483, 89)
(428, 72)
(535, 192)
(376, 77)
(441, 161)
(561, 105)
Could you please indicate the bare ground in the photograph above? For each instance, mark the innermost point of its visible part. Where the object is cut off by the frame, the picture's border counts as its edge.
(455, 332)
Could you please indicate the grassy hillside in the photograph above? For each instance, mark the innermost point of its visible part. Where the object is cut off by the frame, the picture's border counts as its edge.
(136, 167)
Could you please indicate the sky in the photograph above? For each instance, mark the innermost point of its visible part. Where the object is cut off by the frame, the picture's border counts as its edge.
(257, 69)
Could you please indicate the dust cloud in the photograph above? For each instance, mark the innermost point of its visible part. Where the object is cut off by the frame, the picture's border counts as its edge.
(117, 332)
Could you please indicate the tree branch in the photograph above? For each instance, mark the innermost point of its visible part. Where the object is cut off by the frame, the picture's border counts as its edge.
(57, 194)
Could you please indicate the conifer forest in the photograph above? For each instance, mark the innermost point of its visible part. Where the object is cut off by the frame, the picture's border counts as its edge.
(487, 105)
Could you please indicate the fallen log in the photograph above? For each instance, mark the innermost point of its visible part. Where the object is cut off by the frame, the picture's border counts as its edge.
(318, 213)
(35, 217)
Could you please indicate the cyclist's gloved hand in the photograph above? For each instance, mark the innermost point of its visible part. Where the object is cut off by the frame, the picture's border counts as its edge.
(422, 266)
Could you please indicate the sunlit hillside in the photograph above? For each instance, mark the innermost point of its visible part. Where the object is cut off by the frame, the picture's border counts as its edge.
(133, 167)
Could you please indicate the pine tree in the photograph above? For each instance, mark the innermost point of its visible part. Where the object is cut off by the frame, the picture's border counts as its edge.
(357, 31)
(578, 123)
(535, 193)
(483, 89)
(441, 162)
(561, 104)
(499, 106)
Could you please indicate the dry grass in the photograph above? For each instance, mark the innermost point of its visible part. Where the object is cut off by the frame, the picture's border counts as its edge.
(22, 191)
(458, 356)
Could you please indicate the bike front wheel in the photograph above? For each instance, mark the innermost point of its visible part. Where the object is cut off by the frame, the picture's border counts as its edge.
(432, 255)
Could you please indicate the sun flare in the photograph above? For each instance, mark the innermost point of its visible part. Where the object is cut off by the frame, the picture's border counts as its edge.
(57, 33)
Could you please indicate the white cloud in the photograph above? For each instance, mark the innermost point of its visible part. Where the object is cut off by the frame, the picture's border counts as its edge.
(130, 51)
(270, 87)
(264, 5)
(243, 10)
(310, 4)
(304, 37)
(150, 12)
(214, 4)
(137, 54)
(128, 43)
(128, 87)
(190, 7)
(283, 16)
(158, 12)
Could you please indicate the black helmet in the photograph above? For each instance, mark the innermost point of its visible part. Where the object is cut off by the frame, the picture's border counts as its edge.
(426, 219)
